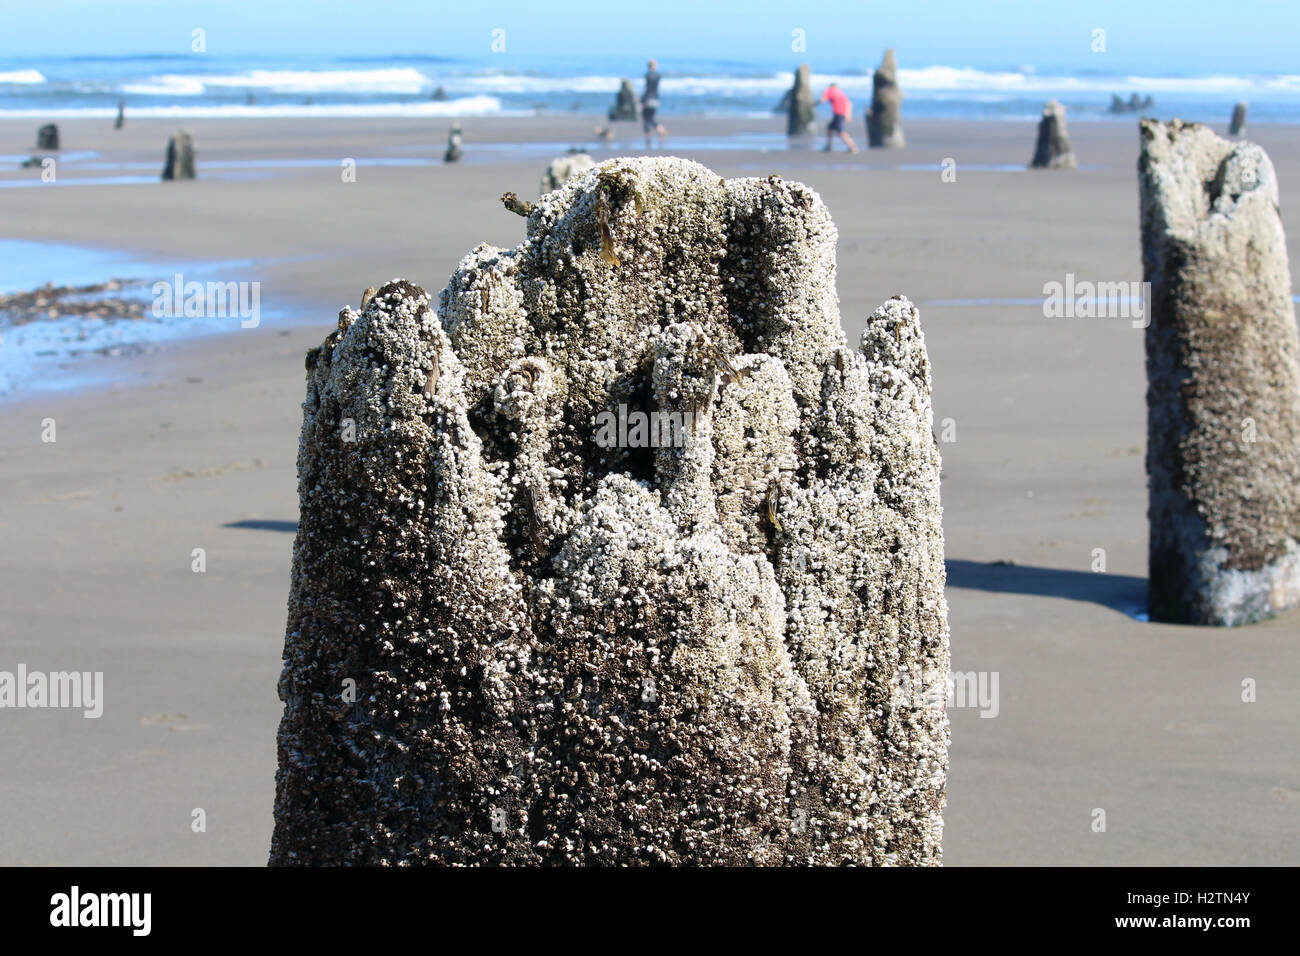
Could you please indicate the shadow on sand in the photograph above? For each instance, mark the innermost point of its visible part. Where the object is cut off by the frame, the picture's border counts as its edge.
(259, 524)
(1120, 592)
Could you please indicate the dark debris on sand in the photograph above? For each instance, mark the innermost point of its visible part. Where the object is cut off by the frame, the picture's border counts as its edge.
(86, 301)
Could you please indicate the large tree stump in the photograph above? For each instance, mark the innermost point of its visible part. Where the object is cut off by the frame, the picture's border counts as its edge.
(1223, 385)
(721, 640)
(47, 137)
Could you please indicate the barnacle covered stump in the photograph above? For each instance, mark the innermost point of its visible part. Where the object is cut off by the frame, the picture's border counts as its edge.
(1223, 381)
(520, 635)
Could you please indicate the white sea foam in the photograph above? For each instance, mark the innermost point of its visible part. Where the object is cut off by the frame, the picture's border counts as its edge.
(466, 106)
(394, 80)
(403, 90)
(408, 80)
(515, 83)
(22, 76)
(167, 85)
(398, 80)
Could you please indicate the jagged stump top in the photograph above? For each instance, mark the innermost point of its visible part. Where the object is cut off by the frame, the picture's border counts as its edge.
(732, 649)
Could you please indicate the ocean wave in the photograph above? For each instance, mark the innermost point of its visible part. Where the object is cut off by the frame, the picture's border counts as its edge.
(682, 85)
(513, 83)
(411, 81)
(390, 80)
(168, 85)
(480, 89)
(23, 77)
(397, 80)
(944, 78)
(930, 79)
(465, 106)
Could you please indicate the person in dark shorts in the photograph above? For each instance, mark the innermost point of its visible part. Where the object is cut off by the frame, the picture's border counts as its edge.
(650, 106)
(842, 107)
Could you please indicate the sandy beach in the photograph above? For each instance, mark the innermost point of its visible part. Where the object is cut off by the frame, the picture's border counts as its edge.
(193, 446)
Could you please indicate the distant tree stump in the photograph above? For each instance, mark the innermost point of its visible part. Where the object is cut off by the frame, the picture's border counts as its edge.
(1053, 149)
(1238, 125)
(884, 119)
(454, 151)
(626, 106)
(180, 157)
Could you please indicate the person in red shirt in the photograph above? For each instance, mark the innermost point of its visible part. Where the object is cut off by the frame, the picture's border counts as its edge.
(842, 107)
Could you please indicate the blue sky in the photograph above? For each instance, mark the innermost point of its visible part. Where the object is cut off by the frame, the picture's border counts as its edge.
(1144, 36)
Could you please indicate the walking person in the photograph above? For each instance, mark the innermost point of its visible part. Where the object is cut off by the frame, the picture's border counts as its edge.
(650, 106)
(842, 107)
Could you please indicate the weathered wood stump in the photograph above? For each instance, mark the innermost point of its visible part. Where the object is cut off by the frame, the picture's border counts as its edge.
(1053, 149)
(626, 106)
(1238, 125)
(519, 634)
(454, 150)
(179, 163)
(799, 106)
(884, 119)
(1223, 384)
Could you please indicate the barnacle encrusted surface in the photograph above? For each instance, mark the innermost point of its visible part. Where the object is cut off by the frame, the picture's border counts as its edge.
(1223, 381)
(730, 651)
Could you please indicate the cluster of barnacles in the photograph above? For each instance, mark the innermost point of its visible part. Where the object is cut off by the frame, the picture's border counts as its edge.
(326, 348)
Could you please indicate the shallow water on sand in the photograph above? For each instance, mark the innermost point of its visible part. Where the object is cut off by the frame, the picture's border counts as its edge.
(26, 265)
(55, 353)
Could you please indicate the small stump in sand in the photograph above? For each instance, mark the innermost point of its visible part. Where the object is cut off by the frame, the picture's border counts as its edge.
(47, 137)
(1053, 149)
(622, 555)
(180, 157)
(884, 119)
(454, 151)
(626, 106)
(1238, 125)
(1223, 385)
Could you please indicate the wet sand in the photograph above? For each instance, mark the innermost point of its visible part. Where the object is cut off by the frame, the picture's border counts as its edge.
(193, 446)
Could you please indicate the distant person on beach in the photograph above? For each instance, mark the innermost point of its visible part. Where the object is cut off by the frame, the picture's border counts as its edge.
(650, 106)
(842, 107)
